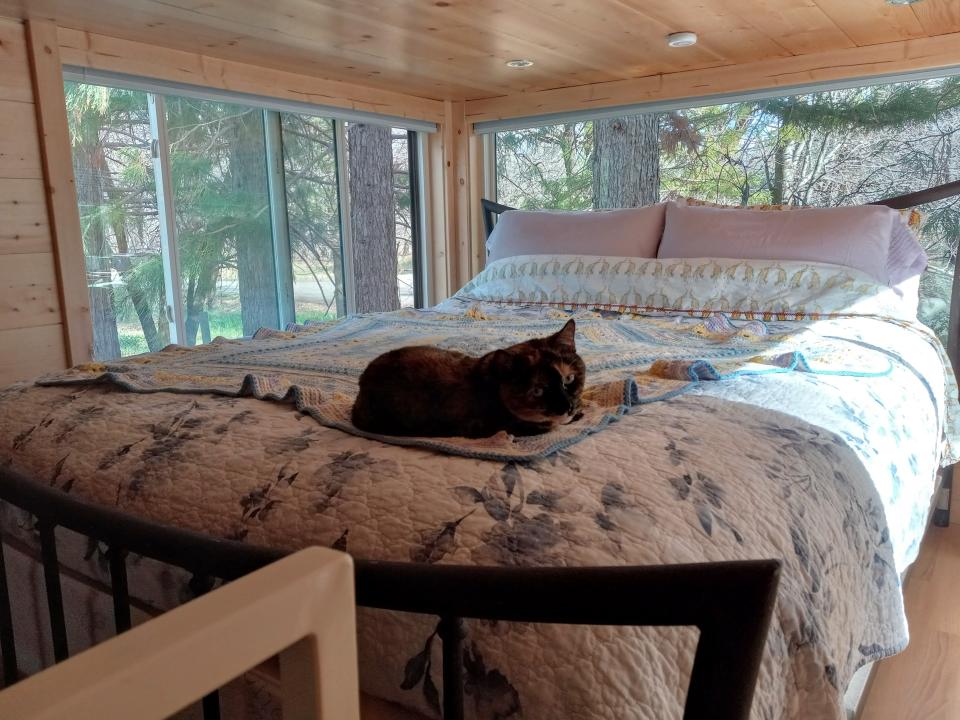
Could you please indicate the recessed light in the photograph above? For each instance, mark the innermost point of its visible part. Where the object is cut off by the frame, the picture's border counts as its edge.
(902, 2)
(519, 63)
(681, 39)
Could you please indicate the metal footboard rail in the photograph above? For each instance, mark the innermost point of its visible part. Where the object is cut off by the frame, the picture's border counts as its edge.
(731, 603)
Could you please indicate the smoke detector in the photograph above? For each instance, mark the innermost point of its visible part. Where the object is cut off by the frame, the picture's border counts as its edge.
(681, 39)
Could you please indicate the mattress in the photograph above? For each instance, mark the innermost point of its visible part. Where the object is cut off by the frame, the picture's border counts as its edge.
(827, 462)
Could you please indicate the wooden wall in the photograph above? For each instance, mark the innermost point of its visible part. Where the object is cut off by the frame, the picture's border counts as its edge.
(31, 325)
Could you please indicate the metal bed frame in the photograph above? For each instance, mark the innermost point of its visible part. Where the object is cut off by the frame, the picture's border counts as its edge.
(730, 602)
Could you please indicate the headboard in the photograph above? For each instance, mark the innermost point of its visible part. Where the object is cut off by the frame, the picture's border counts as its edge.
(900, 202)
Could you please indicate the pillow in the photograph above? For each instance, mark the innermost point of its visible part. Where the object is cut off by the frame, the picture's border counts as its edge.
(633, 232)
(911, 216)
(857, 237)
(909, 291)
(906, 258)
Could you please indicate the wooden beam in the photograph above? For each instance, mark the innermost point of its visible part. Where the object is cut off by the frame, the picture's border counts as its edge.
(928, 53)
(62, 209)
(453, 182)
(101, 52)
(476, 191)
(436, 230)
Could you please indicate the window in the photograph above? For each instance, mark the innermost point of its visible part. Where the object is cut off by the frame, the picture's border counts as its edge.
(823, 149)
(203, 218)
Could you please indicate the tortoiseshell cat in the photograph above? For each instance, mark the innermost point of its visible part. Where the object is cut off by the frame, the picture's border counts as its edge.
(525, 389)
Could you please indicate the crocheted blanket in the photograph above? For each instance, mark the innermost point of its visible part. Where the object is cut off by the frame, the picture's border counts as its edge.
(317, 368)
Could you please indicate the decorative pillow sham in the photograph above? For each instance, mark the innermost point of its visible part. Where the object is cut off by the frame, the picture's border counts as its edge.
(856, 237)
(633, 232)
(907, 257)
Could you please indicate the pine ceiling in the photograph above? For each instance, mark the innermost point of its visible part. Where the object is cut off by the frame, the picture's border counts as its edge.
(457, 49)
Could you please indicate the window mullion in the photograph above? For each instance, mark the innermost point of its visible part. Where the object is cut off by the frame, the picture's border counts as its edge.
(276, 185)
(417, 217)
(343, 197)
(160, 151)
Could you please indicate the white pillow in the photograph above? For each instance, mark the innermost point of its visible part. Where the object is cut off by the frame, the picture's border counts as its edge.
(857, 237)
(633, 232)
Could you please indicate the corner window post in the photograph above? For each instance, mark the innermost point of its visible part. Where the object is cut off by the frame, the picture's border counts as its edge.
(160, 150)
(346, 235)
(282, 257)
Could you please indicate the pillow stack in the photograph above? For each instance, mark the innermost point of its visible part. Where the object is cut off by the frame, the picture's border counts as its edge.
(870, 238)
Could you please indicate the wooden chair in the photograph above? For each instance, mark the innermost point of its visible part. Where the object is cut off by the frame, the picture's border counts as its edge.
(300, 608)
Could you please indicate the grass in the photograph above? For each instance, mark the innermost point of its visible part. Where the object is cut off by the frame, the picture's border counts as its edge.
(228, 324)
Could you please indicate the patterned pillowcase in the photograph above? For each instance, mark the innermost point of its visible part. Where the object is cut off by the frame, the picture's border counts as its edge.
(906, 257)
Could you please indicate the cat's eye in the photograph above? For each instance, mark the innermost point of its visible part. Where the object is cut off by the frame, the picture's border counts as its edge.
(537, 391)
(569, 379)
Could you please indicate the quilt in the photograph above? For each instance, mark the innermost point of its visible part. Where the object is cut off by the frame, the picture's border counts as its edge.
(810, 417)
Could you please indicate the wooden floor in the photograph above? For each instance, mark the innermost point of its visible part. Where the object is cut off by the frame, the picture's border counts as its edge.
(923, 682)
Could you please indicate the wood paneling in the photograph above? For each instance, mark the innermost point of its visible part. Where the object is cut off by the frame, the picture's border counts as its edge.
(19, 146)
(31, 330)
(28, 291)
(61, 192)
(921, 54)
(923, 682)
(28, 352)
(14, 72)
(457, 49)
(23, 217)
(133, 58)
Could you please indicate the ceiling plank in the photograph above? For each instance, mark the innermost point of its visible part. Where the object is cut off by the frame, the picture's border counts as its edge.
(152, 61)
(929, 53)
(717, 28)
(800, 26)
(879, 23)
(938, 16)
(457, 49)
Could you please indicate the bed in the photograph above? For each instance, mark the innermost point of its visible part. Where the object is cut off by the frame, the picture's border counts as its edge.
(736, 410)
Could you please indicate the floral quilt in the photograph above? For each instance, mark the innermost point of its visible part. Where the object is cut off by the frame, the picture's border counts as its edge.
(832, 472)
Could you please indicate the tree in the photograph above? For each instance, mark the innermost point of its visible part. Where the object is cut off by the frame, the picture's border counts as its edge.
(256, 268)
(626, 161)
(372, 215)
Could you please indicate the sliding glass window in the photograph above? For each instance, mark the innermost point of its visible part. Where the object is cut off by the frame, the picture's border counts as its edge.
(202, 218)
(839, 147)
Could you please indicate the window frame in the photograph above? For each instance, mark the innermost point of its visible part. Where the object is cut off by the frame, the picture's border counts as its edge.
(157, 93)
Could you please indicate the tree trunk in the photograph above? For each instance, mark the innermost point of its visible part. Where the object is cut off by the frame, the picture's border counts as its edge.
(372, 218)
(626, 161)
(121, 263)
(256, 274)
(88, 168)
(779, 173)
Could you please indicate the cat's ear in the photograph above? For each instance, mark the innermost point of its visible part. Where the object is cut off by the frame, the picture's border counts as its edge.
(565, 339)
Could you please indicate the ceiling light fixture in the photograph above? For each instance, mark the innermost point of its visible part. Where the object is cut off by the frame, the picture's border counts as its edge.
(681, 39)
(902, 2)
(519, 63)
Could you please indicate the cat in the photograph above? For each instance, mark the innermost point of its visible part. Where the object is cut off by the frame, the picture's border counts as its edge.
(525, 389)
